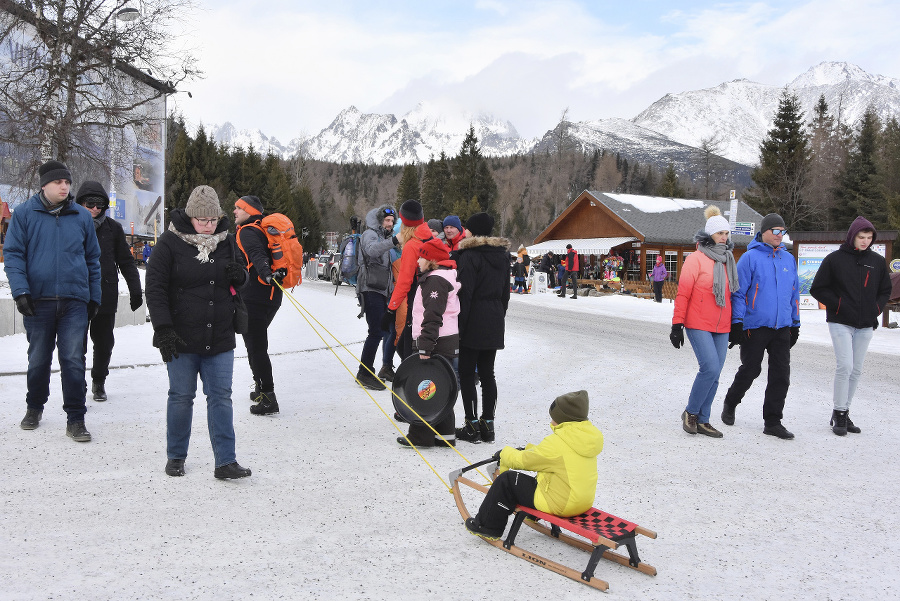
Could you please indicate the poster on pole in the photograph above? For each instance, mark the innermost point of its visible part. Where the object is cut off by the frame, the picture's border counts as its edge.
(809, 258)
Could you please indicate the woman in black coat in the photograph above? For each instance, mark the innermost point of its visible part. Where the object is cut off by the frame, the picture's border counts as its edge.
(190, 294)
(483, 273)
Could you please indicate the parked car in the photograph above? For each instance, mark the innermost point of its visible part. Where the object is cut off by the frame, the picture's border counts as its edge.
(329, 267)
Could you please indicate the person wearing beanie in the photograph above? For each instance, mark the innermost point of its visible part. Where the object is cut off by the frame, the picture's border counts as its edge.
(703, 310)
(483, 267)
(115, 257)
(765, 318)
(854, 285)
(413, 232)
(453, 232)
(374, 284)
(411, 213)
(191, 289)
(572, 268)
(437, 230)
(52, 262)
(658, 277)
(566, 466)
(435, 331)
(262, 299)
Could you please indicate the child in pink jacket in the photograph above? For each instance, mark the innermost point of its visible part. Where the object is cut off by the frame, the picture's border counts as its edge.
(435, 328)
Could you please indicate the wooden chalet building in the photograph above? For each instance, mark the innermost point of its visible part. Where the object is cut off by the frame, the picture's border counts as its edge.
(638, 228)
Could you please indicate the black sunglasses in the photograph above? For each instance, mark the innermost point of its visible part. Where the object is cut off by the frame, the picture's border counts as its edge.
(95, 204)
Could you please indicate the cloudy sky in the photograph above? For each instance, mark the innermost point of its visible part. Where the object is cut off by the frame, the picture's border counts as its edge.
(288, 67)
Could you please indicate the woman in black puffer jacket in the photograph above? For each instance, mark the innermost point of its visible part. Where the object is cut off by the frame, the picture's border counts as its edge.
(483, 273)
(190, 288)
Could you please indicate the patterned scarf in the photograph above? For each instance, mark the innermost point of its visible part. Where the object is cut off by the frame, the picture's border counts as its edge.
(205, 243)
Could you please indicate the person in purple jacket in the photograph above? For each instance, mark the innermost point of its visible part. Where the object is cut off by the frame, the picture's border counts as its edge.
(658, 275)
(854, 285)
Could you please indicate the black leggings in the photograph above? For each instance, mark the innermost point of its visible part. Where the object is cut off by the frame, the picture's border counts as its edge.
(483, 360)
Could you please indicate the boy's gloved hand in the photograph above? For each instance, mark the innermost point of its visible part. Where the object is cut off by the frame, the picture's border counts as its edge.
(496, 456)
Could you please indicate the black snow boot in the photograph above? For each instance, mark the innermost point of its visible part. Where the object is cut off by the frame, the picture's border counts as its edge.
(470, 432)
(32, 419)
(97, 387)
(232, 471)
(386, 373)
(851, 427)
(257, 390)
(486, 427)
(267, 405)
(369, 381)
(839, 422)
(175, 467)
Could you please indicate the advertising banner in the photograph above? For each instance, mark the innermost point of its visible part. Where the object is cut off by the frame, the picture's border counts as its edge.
(809, 257)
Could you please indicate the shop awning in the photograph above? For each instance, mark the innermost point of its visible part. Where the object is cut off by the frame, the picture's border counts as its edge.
(584, 246)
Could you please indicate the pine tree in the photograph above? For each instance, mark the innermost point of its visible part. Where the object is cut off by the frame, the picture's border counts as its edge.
(178, 186)
(859, 191)
(434, 187)
(669, 185)
(889, 166)
(827, 156)
(408, 189)
(783, 167)
(471, 179)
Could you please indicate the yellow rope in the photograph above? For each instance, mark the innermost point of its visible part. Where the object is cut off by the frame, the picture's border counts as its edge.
(303, 311)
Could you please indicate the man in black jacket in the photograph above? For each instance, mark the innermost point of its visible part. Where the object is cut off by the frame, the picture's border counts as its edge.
(115, 256)
(263, 299)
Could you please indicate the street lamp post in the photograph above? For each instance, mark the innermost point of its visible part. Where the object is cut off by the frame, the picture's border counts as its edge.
(127, 14)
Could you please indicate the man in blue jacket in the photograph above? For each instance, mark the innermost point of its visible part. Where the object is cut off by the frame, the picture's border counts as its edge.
(52, 262)
(765, 317)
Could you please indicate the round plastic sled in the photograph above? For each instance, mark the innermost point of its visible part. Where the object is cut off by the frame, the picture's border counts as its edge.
(429, 386)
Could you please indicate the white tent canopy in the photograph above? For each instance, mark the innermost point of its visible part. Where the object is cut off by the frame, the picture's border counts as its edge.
(584, 246)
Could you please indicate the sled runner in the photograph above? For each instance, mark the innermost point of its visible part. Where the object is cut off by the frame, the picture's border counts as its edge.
(604, 533)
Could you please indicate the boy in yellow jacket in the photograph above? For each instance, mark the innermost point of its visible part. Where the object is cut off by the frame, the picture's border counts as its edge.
(566, 466)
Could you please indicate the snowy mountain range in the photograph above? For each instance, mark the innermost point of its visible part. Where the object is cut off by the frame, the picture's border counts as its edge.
(737, 114)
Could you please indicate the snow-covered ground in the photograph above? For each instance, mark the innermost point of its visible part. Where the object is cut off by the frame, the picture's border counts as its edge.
(335, 510)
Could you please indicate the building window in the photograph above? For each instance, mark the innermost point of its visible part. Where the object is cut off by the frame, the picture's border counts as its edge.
(650, 261)
(671, 261)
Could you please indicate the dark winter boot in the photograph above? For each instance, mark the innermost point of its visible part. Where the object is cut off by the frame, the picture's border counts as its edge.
(257, 390)
(232, 471)
(839, 422)
(851, 427)
(470, 432)
(32, 419)
(386, 373)
(97, 387)
(175, 467)
(475, 527)
(77, 432)
(267, 405)
(728, 415)
(486, 427)
(369, 381)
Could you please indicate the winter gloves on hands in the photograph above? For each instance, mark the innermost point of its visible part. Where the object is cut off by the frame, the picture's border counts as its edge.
(235, 273)
(92, 308)
(795, 334)
(167, 341)
(136, 301)
(278, 276)
(736, 336)
(677, 335)
(387, 319)
(25, 305)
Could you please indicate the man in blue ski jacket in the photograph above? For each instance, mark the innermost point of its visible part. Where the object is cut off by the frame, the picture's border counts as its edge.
(765, 318)
(52, 262)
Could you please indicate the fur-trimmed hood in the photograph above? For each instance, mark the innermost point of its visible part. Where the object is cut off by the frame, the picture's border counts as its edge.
(475, 241)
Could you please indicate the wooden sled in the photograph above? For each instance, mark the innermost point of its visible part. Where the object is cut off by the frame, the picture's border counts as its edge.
(604, 533)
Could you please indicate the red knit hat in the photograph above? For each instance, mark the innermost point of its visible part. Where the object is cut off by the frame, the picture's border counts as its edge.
(434, 250)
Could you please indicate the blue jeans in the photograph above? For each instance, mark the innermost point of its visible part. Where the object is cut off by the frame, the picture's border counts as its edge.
(709, 348)
(215, 372)
(850, 346)
(60, 324)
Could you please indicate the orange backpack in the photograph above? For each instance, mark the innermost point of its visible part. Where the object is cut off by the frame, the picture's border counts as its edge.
(284, 247)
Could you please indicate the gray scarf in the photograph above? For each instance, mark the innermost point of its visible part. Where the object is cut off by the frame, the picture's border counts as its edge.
(723, 260)
(205, 243)
(98, 220)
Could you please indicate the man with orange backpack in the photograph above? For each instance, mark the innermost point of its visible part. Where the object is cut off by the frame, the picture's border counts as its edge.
(262, 297)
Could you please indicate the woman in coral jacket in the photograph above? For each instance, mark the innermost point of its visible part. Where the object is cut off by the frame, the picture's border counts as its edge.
(703, 306)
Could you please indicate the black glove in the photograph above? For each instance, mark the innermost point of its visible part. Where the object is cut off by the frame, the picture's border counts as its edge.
(736, 336)
(136, 301)
(395, 241)
(167, 341)
(25, 305)
(387, 319)
(677, 335)
(235, 273)
(496, 456)
(279, 274)
(795, 334)
(92, 308)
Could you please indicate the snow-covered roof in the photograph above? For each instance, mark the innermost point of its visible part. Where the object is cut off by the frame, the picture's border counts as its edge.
(584, 246)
